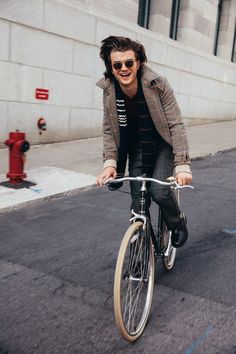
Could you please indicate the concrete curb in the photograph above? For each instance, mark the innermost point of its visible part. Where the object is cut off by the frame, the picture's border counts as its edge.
(47, 198)
(39, 200)
(212, 154)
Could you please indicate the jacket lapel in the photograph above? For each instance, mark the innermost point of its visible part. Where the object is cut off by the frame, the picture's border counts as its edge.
(155, 108)
(110, 103)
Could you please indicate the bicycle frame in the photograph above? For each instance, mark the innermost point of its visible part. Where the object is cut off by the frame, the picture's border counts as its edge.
(142, 212)
(147, 225)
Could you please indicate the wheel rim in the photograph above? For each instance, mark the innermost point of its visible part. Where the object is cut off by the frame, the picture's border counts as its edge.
(136, 284)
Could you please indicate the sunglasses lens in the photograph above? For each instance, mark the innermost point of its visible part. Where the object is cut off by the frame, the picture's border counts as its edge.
(129, 63)
(117, 66)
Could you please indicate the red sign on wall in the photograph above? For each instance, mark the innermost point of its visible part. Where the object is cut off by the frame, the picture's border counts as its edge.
(41, 94)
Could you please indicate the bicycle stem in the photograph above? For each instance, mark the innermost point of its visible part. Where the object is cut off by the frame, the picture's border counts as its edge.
(142, 198)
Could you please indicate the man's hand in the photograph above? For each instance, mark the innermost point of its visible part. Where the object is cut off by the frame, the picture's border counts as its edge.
(108, 172)
(183, 178)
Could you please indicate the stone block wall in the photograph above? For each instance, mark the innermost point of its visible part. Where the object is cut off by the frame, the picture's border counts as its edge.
(54, 44)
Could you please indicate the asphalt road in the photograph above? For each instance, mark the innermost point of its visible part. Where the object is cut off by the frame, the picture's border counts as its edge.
(57, 261)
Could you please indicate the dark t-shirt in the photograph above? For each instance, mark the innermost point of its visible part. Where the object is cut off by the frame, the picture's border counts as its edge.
(132, 109)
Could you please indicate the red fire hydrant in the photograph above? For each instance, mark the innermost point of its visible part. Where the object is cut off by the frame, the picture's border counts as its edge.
(17, 148)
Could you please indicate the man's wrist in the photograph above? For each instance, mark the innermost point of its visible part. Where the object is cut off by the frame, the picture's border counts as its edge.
(110, 163)
(182, 168)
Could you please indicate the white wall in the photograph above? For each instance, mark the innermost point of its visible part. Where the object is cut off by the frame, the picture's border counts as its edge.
(54, 45)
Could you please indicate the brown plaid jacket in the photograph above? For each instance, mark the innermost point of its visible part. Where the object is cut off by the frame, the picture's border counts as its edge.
(165, 114)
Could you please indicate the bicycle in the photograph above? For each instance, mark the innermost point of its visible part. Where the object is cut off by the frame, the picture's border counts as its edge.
(135, 266)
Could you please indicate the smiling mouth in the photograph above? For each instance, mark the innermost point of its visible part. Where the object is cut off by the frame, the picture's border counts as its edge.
(125, 75)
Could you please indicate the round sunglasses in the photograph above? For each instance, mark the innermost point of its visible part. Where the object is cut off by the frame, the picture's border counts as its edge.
(128, 63)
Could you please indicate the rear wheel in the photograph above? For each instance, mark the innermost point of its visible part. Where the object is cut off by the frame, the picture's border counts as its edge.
(169, 255)
(134, 281)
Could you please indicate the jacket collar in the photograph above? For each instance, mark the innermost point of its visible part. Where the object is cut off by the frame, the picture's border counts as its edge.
(149, 77)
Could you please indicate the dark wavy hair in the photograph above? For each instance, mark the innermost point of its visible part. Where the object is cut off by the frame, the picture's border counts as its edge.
(115, 43)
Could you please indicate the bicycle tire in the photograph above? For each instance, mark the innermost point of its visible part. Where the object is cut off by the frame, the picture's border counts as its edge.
(168, 261)
(134, 282)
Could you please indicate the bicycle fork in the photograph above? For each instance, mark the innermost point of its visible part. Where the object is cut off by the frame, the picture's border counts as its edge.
(143, 236)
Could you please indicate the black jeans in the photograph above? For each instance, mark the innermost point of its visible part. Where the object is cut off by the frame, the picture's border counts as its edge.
(162, 195)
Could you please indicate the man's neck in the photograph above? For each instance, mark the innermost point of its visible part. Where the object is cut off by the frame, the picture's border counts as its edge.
(130, 91)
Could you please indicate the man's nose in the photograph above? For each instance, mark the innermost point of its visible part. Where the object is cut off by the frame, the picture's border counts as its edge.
(123, 65)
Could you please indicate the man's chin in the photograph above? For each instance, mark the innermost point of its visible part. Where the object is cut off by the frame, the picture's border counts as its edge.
(125, 83)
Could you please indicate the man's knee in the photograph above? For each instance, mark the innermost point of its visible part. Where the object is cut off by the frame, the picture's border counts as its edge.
(159, 195)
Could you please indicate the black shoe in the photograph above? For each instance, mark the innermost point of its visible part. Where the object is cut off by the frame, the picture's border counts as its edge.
(180, 233)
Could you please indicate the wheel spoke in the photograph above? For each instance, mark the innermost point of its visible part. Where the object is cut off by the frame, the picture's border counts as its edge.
(131, 302)
(134, 281)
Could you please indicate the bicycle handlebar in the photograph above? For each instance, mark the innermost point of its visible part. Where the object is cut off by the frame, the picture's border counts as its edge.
(146, 179)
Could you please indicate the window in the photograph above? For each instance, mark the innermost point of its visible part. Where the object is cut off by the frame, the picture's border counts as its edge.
(217, 26)
(143, 13)
(174, 19)
(233, 56)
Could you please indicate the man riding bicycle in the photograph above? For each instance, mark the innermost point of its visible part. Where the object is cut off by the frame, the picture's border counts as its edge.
(142, 122)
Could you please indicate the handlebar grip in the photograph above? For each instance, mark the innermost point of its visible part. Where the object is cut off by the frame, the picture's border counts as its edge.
(114, 186)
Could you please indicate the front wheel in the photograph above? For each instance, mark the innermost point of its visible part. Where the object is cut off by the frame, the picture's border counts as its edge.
(134, 282)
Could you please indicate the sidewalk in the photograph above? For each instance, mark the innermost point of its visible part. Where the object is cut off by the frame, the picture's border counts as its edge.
(60, 168)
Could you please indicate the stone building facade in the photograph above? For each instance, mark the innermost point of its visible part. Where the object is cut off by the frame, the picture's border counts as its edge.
(54, 45)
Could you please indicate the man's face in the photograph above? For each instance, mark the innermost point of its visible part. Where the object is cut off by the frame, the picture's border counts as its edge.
(125, 67)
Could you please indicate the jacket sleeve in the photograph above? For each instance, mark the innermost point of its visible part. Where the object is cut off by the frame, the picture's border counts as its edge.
(109, 147)
(176, 128)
